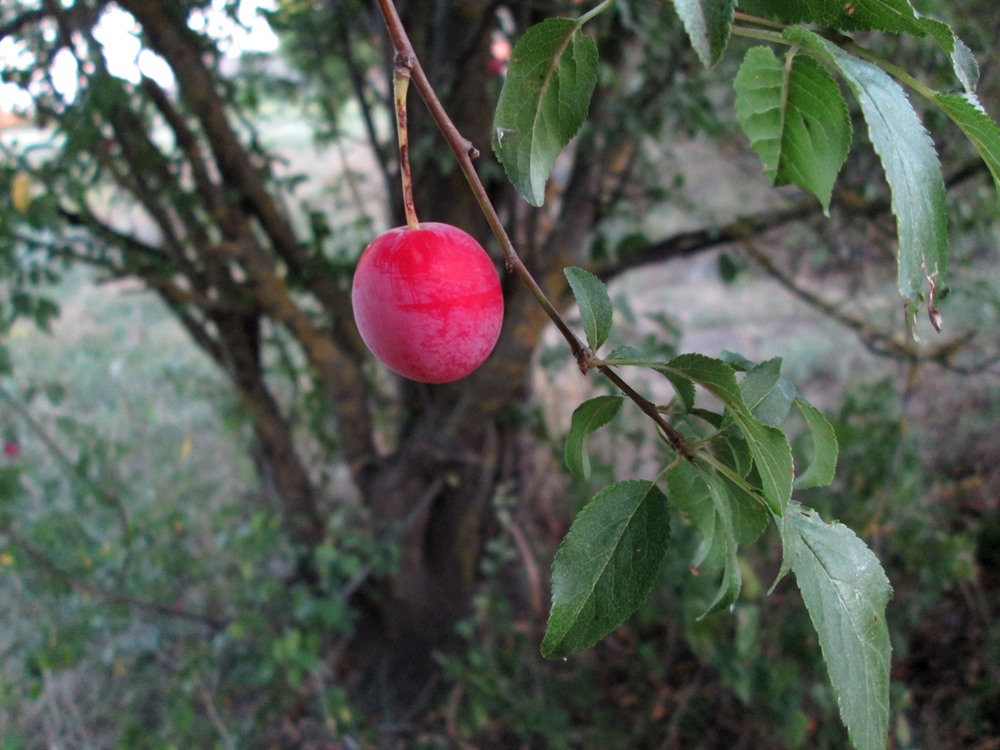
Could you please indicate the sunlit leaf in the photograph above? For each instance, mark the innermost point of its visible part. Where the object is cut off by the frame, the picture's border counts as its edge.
(551, 76)
(796, 119)
(845, 591)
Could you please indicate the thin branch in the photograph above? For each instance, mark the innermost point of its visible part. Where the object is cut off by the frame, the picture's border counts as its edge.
(879, 342)
(367, 116)
(73, 469)
(76, 583)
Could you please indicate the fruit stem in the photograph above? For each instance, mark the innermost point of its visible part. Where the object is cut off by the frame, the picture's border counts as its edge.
(401, 74)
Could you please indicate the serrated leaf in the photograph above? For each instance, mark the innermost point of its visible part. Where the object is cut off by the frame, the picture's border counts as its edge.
(708, 24)
(769, 447)
(732, 578)
(966, 66)
(726, 516)
(713, 375)
(730, 447)
(587, 417)
(550, 79)
(823, 466)
(796, 119)
(772, 457)
(910, 161)
(606, 565)
(594, 302)
(892, 16)
(768, 395)
(979, 128)
(627, 356)
(845, 591)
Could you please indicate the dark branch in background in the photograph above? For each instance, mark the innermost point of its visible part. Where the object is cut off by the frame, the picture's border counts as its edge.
(878, 342)
(333, 360)
(356, 77)
(747, 230)
(690, 243)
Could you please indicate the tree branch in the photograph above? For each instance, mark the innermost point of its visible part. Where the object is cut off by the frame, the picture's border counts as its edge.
(111, 596)
(686, 244)
(879, 342)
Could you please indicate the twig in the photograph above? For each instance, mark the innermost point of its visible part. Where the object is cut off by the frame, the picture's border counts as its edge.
(875, 340)
(72, 468)
(99, 592)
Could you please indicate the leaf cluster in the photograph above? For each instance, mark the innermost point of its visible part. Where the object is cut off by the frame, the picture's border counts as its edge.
(728, 465)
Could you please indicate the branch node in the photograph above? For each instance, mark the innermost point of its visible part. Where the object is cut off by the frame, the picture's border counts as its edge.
(403, 64)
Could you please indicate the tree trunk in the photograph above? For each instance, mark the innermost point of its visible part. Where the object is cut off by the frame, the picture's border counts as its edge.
(435, 494)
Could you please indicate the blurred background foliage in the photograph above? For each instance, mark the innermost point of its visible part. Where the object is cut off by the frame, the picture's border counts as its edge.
(155, 592)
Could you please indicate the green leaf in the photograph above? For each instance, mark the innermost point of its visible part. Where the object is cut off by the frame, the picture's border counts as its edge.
(588, 416)
(769, 447)
(713, 375)
(595, 305)
(628, 356)
(543, 103)
(768, 395)
(825, 449)
(726, 516)
(892, 16)
(845, 591)
(606, 565)
(772, 456)
(708, 24)
(909, 159)
(980, 129)
(732, 578)
(796, 119)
